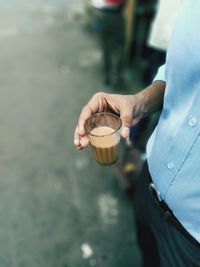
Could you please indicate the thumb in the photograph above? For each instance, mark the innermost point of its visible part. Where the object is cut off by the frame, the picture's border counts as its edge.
(127, 119)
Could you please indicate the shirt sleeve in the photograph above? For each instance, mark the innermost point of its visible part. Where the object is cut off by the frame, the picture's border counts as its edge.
(160, 76)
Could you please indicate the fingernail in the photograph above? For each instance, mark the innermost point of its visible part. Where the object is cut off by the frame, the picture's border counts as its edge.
(76, 142)
(126, 132)
(82, 142)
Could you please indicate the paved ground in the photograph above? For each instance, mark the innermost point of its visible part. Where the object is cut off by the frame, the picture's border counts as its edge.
(58, 208)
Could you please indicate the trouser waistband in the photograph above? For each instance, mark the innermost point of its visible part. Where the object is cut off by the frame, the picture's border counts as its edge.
(168, 215)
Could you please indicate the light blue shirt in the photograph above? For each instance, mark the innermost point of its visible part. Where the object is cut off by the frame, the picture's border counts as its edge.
(173, 151)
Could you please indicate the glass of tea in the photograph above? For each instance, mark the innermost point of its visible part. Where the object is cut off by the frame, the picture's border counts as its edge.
(103, 132)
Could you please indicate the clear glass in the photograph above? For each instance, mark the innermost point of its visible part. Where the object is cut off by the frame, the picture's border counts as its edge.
(103, 132)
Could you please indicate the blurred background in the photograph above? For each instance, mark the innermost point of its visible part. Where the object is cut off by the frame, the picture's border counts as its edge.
(58, 207)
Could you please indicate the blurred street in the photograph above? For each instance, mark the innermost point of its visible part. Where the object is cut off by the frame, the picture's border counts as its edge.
(58, 208)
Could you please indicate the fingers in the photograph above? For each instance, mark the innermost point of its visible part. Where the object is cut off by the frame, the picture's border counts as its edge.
(85, 114)
(80, 142)
(125, 132)
(127, 119)
(77, 141)
(93, 106)
(80, 138)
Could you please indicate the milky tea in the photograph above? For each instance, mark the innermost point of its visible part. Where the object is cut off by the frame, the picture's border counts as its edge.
(103, 131)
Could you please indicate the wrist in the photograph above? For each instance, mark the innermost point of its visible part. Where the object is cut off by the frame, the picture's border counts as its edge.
(152, 97)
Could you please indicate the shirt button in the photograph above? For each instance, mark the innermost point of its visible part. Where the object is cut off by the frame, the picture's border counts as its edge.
(170, 165)
(193, 122)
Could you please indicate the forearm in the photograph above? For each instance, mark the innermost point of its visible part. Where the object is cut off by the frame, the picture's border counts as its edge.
(152, 97)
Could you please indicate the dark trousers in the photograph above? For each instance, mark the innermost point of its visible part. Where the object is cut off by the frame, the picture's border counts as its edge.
(161, 244)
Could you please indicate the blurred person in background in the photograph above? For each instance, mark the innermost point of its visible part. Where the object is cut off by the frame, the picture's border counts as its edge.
(168, 195)
(109, 19)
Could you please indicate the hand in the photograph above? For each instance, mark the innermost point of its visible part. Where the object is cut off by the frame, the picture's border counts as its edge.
(128, 107)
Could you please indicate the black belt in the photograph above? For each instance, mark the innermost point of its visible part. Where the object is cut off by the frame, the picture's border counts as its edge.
(168, 215)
